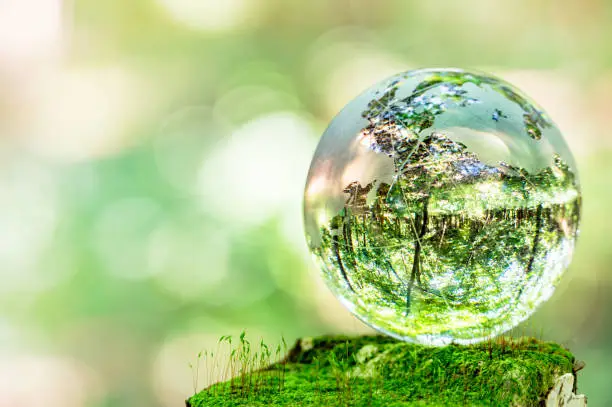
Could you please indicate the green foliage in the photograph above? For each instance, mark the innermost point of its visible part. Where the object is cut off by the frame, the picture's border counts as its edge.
(380, 371)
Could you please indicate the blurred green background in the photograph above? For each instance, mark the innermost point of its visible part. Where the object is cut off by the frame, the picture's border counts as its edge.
(153, 155)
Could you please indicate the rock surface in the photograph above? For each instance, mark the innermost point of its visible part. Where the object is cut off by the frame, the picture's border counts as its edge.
(562, 394)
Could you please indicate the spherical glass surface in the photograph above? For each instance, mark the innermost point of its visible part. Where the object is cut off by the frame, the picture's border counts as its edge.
(442, 206)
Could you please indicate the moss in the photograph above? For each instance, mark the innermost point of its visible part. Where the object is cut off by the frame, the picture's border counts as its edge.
(381, 371)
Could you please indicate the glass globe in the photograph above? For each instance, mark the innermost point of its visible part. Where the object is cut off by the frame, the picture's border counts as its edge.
(442, 206)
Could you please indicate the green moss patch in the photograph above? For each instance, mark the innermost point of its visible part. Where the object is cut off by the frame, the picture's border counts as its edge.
(381, 371)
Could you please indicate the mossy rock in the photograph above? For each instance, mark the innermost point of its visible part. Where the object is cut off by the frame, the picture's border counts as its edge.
(381, 371)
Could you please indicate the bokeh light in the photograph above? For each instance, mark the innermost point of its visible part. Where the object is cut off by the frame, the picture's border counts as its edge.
(28, 222)
(121, 236)
(64, 382)
(43, 37)
(191, 263)
(211, 15)
(259, 168)
(85, 112)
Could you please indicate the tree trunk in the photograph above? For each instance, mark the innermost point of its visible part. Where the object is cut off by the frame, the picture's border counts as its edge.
(415, 274)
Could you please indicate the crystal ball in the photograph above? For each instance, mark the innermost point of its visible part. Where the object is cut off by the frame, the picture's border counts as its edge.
(442, 206)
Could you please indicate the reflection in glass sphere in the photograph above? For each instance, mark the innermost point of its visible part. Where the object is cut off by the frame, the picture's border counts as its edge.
(442, 206)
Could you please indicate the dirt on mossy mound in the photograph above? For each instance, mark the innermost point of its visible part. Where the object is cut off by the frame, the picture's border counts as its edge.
(381, 371)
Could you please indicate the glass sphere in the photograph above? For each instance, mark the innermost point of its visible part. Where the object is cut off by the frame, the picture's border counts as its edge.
(442, 206)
